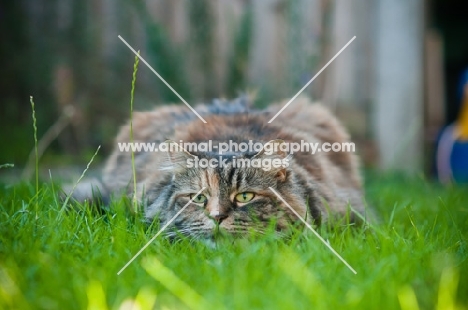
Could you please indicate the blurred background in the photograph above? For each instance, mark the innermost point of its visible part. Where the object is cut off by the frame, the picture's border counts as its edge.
(395, 87)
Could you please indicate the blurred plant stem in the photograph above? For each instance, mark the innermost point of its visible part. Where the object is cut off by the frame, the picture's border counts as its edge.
(41, 145)
(132, 97)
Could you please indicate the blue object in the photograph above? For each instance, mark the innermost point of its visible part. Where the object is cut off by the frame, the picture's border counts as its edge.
(459, 161)
(452, 145)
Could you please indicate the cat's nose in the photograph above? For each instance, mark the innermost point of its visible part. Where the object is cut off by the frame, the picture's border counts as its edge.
(218, 217)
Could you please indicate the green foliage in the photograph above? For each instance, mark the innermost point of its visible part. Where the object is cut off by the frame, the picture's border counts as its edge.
(415, 254)
(202, 45)
(239, 62)
(164, 57)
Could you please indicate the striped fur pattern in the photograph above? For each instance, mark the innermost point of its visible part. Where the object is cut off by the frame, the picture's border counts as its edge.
(316, 186)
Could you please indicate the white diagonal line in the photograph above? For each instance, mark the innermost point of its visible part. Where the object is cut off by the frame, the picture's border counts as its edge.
(315, 233)
(159, 232)
(311, 80)
(163, 80)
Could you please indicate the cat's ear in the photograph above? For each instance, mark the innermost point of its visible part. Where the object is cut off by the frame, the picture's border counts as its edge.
(177, 157)
(274, 150)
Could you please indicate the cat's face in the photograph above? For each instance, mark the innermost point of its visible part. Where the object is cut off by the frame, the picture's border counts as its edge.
(234, 200)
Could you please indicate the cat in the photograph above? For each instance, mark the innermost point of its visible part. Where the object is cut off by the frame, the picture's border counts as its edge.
(235, 200)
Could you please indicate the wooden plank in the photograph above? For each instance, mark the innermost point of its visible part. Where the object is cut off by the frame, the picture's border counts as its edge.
(398, 112)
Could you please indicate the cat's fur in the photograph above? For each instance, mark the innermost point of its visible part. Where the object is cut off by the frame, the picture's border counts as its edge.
(316, 186)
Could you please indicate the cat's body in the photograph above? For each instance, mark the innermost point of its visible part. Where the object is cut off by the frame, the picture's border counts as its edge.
(316, 186)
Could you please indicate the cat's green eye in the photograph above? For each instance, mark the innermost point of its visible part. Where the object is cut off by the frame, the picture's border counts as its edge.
(244, 197)
(198, 199)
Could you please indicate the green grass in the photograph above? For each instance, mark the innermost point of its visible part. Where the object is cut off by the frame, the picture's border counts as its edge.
(416, 255)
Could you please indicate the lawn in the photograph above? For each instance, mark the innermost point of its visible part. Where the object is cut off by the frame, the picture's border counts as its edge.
(415, 257)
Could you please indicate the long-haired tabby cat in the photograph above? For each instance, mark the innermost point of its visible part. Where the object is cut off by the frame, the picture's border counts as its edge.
(236, 199)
